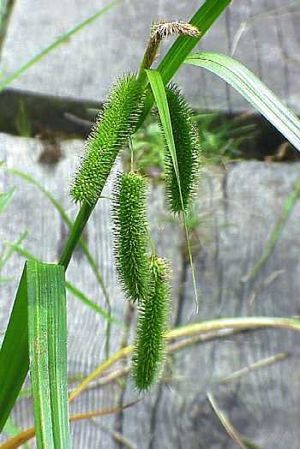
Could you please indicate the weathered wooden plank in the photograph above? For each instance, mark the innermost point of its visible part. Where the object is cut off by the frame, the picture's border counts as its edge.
(260, 33)
(237, 209)
(241, 206)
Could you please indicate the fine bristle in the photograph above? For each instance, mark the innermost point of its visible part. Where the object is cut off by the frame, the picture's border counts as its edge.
(131, 235)
(149, 348)
(110, 133)
(187, 152)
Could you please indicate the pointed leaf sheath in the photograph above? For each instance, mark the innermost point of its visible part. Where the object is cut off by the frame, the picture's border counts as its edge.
(116, 123)
(131, 235)
(187, 151)
(152, 325)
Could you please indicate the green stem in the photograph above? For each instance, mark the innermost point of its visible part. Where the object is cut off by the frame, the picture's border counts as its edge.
(75, 233)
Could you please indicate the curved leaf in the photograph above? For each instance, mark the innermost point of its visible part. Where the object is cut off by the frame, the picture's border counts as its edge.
(47, 335)
(253, 90)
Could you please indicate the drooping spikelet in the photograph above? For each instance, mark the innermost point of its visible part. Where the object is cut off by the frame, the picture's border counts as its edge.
(152, 324)
(115, 124)
(187, 152)
(131, 235)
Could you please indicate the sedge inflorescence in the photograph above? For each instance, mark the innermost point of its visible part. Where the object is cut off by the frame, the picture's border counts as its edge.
(142, 274)
(149, 345)
(179, 191)
(144, 278)
(114, 126)
(131, 235)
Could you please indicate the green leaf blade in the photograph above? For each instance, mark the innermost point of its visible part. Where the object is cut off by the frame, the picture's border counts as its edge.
(160, 97)
(253, 90)
(203, 19)
(5, 199)
(48, 353)
(16, 247)
(14, 357)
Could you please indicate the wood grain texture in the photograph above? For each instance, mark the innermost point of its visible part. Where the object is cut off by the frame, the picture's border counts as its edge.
(236, 209)
(263, 34)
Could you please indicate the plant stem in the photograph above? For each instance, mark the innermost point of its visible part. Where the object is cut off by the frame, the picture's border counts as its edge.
(75, 233)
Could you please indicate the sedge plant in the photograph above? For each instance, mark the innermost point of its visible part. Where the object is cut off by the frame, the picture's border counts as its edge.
(38, 318)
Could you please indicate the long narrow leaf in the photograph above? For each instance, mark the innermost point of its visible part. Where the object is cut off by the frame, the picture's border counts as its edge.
(159, 93)
(14, 358)
(47, 331)
(66, 219)
(5, 199)
(72, 289)
(160, 97)
(253, 90)
(287, 210)
(203, 19)
(7, 254)
(60, 40)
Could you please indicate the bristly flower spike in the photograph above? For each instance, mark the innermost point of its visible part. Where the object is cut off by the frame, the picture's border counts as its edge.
(114, 126)
(131, 235)
(152, 324)
(187, 151)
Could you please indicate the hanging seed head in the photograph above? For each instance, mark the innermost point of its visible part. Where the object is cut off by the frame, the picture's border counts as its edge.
(149, 345)
(114, 126)
(131, 235)
(187, 151)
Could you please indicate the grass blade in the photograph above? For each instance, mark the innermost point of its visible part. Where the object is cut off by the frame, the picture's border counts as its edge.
(204, 18)
(253, 90)
(160, 97)
(288, 207)
(60, 40)
(14, 357)
(159, 93)
(93, 264)
(66, 219)
(6, 255)
(47, 332)
(5, 199)
(72, 289)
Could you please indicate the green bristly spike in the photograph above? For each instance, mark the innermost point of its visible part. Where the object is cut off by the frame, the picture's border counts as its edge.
(131, 235)
(152, 324)
(114, 126)
(187, 150)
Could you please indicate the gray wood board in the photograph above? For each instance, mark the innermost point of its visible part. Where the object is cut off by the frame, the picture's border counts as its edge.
(237, 209)
(263, 34)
